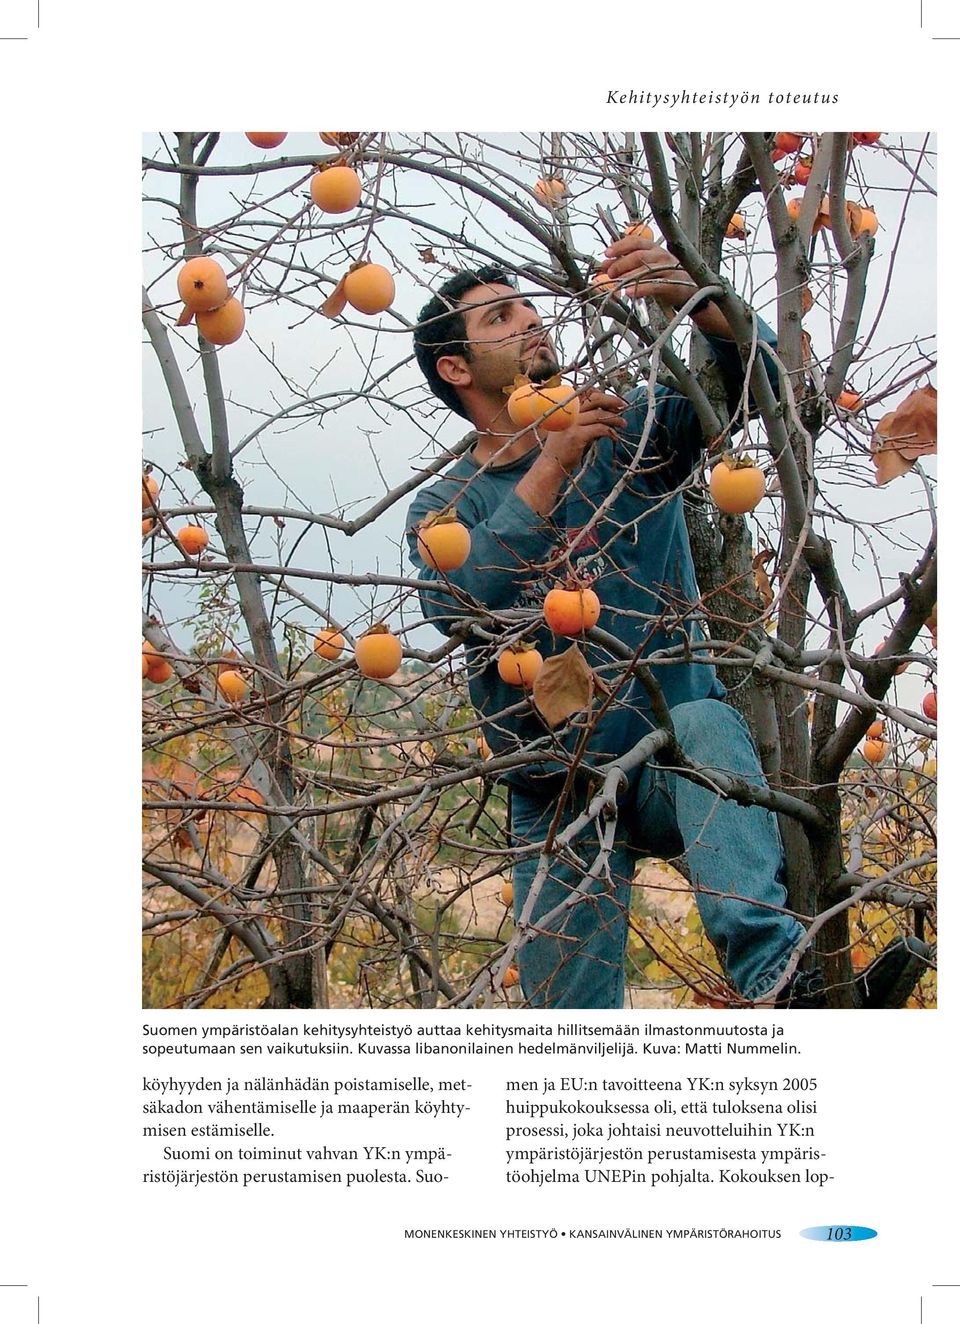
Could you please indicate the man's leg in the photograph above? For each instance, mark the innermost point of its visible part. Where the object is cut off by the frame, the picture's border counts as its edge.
(578, 961)
(733, 851)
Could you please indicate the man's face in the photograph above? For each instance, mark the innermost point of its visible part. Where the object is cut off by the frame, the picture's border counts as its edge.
(505, 337)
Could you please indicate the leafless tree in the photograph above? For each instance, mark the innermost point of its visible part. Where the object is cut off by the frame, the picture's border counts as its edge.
(330, 840)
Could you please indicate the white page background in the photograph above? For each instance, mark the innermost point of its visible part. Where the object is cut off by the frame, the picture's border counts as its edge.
(78, 1227)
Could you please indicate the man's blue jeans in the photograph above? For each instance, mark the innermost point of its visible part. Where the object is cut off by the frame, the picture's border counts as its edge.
(733, 851)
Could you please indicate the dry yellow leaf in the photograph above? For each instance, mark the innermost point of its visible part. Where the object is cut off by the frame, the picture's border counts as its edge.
(334, 305)
(905, 434)
(888, 461)
(760, 576)
(564, 686)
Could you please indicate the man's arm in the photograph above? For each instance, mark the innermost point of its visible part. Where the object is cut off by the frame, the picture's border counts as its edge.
(658, 275)
(516, 535)
(502, 548)
(562, 452)
(676, 436)
(712, 322)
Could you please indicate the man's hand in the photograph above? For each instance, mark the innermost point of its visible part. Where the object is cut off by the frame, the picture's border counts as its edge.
(658, 275)
(562, 452)
(600, 416)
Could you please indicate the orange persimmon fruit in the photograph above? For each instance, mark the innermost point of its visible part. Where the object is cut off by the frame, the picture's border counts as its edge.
(522, 405)
(336, 189)
(232, 686)
(202, 284)
(224, 325)
(561, 406)
(192, 539)
(862, 220)
(900, 669)
(602, 283)
(150, 490)
(159, 673)
(875, 751)
(519, 665)
(443, 542)
(328, 644)
(554, 407)
(228, 661)
(266, 139)
(570, 610)
(736, 487)
(158, 668)
(378, 653)
(549, 190)
(369, 288)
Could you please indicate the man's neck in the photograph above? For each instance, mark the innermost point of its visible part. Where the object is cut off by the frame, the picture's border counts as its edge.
(496, 439)
(497, 449)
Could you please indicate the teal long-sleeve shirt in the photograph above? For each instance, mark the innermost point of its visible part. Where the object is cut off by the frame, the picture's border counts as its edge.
(637, 557)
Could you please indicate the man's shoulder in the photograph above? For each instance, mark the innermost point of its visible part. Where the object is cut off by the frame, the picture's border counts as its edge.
(664, 397)
(638, 396)
(439, 493)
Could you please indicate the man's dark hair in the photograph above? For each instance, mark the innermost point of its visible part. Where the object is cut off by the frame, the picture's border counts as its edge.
(442, 329)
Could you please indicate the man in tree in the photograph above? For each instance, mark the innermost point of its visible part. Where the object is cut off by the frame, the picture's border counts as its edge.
(530, 500)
